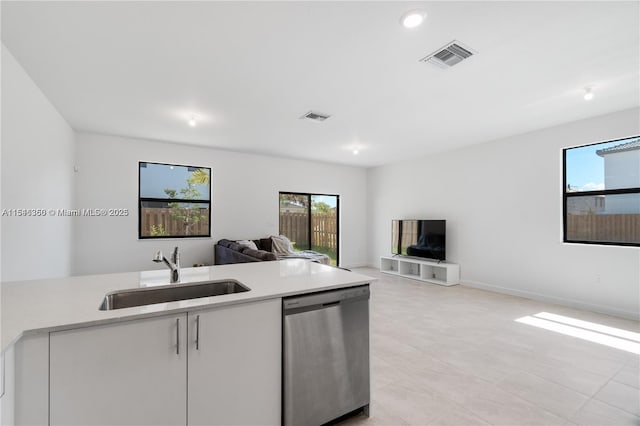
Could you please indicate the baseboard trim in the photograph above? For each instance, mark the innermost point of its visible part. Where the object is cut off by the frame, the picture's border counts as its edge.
(355, 265)
(572, 303)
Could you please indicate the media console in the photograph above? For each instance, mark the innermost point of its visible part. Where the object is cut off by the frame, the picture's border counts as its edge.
(422, 270)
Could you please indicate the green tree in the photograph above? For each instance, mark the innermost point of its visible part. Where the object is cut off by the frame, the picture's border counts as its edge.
(320, 207)
(187, 213)
(200, 176)
(158, 231)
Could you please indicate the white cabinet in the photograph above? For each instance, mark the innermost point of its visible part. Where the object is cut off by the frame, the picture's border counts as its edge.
(235, 368)
(129, 373)
(26, 382)
(220, 366)
(423, 270)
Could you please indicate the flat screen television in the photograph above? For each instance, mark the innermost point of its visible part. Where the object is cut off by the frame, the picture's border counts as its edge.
(419, 238)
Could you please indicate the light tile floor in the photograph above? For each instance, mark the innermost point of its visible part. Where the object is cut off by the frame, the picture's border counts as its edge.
(455, 356)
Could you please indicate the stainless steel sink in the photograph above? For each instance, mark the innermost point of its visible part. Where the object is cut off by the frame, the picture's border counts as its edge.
(169, 293)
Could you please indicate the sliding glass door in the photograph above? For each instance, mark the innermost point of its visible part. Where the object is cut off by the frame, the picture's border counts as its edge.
(310, 221)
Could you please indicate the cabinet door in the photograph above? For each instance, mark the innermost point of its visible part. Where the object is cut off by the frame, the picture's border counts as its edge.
(234, 374)
(129, 373)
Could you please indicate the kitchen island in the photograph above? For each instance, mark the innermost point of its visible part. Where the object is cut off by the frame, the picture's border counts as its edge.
(223, 352)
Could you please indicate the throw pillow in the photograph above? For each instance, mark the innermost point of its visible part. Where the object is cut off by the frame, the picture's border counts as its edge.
(248, 243)
(265, 244)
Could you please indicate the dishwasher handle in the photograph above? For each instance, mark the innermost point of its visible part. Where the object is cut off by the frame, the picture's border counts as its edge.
(325, 299)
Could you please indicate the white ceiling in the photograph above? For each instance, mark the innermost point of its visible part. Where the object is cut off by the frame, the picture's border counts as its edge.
(249, 70)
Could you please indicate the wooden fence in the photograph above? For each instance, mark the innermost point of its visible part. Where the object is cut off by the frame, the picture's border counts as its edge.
(162, 219)
(604, 227)
(323, 229)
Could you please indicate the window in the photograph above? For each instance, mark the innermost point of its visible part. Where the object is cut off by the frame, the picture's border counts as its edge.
(174, 201)
(602, 193)
(310, 221)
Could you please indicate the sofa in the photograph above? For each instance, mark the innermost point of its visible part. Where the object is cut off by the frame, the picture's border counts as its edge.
(264, 249)
(228, 251)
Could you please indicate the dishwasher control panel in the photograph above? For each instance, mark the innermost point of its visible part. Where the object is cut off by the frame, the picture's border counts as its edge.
(329, 297)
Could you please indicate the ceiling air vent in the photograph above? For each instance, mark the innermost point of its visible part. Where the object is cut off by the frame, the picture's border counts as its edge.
(449, 55)
(315, 116)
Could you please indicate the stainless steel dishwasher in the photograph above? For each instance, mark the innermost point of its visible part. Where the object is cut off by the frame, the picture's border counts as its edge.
(325, 356)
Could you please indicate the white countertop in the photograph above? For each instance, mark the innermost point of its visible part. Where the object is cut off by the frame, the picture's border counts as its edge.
(57, 304)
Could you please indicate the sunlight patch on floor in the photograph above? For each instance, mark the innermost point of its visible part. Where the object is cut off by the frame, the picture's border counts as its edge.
(629, 335)
(610, 336)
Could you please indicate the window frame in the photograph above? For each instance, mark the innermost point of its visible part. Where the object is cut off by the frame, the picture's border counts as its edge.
(566, 195)
(164, 200)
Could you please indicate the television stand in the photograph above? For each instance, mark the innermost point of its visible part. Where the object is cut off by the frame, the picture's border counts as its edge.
(422, 270)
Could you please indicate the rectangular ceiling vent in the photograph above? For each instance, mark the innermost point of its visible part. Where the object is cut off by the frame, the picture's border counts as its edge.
(449, 55)
(315, 116)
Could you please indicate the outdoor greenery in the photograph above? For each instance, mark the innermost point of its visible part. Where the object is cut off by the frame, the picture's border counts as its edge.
(320, 207)
(189, 214)
(200, 176)
(158, 231)
(329, 252)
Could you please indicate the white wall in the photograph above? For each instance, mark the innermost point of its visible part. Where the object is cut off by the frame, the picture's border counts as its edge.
(37, 173)
(503, 204)
(244, 193)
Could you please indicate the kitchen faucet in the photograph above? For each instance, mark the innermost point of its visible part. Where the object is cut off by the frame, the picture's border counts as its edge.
(174, 265)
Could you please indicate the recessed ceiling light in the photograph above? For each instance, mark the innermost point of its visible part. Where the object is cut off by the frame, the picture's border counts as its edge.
(413, 18)
(356, 151)
(192, 121)
(588, 94)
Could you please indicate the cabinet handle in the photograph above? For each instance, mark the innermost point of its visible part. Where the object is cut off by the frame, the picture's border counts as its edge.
(197, 332)
(177, 336)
